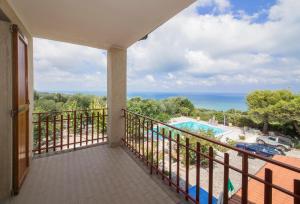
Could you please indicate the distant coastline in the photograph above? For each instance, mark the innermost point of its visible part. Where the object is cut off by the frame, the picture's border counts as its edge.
(214, 101)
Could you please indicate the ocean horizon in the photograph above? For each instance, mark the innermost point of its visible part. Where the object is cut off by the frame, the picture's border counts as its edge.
(214, 101)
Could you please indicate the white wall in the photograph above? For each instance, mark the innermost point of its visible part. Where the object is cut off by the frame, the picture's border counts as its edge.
(5, 106)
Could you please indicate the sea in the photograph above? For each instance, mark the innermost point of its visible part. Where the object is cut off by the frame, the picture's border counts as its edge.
(215, 101)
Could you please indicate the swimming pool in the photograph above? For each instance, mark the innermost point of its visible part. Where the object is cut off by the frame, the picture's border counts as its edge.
(194, 126)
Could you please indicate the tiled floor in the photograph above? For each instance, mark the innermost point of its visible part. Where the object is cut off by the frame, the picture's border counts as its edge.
(94, 175)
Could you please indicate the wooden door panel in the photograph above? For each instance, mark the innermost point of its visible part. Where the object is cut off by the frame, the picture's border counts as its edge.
(22, 146)
(21, 73)
(20, 110)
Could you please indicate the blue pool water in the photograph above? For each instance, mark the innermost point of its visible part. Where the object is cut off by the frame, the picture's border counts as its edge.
(197, 127)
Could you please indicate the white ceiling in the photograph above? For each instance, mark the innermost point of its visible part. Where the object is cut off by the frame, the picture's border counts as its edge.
(96, 23)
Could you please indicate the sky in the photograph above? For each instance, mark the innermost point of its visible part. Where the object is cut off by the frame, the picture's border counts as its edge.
(212, 46)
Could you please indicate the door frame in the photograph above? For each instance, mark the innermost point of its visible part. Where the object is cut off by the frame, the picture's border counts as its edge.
(16, 35)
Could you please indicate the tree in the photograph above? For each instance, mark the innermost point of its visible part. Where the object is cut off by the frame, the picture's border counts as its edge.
(289, 111)
(261, 105)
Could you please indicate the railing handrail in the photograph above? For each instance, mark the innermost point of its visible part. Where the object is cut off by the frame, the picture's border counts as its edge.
(69, 111)
(278, 163)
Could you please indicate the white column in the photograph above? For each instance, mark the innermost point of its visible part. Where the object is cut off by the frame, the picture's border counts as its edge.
(116, 94)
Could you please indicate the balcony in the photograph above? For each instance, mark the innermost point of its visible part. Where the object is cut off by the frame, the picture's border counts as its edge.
(98, 174)
(157, 163)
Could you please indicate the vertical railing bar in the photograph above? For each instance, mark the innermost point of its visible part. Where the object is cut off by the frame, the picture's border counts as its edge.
(61, 131)
(152, 154)
(268, 187)
(157, 148)
(245, 178)
(126, 128)
(147, 144)
(187, 164)
(198, 173)
(134, 134)
(87, 129)
(103, 124)
(163, 153)
(68, 130)
(143, 133)
(75, 126)
(47, 133)
(296, 191)
(98, 121)
(226, 178)
(170, 158)
(210, 175)
(178, 161)
(93, 127)
(139, 136)
(80, 129)
(54, 133)
(39, 133)
(131, 132)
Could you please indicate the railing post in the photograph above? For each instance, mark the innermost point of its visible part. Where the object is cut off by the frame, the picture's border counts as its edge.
(61, 131)
(39, 133)
(163, 153)
(92, 127)
(178, 161)
(297, 191)
(80, 129)
(226, 178)
(103, 124)
(87, 129)
(268, 187)
(245, 179)
(98, 126)
(139, 136)
(68, 129)
(147, 144)
(157, 148)
(47, 133)
(143, 134)
(170, 158)
(198, 172)
(210, 174)
(187, 165)
(54, 133)
(75, 126)
(152, 154)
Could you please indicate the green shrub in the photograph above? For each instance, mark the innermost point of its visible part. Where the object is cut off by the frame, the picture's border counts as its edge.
(297, 146)
(242, 137)
(231, 142)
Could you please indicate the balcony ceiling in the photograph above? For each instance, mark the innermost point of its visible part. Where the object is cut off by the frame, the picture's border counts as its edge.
(96, 23)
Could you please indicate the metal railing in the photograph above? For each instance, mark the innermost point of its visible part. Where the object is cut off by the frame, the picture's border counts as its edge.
(58, 131)
(168, 152)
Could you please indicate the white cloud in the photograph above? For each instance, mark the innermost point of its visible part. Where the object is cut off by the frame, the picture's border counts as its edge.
(221, 51)
(213, 50)
(150, 78)
(64, 66)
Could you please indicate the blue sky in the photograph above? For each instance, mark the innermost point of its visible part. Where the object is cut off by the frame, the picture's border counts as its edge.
(212, 46)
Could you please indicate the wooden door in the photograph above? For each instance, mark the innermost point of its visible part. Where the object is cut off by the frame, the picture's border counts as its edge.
(20, 112)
